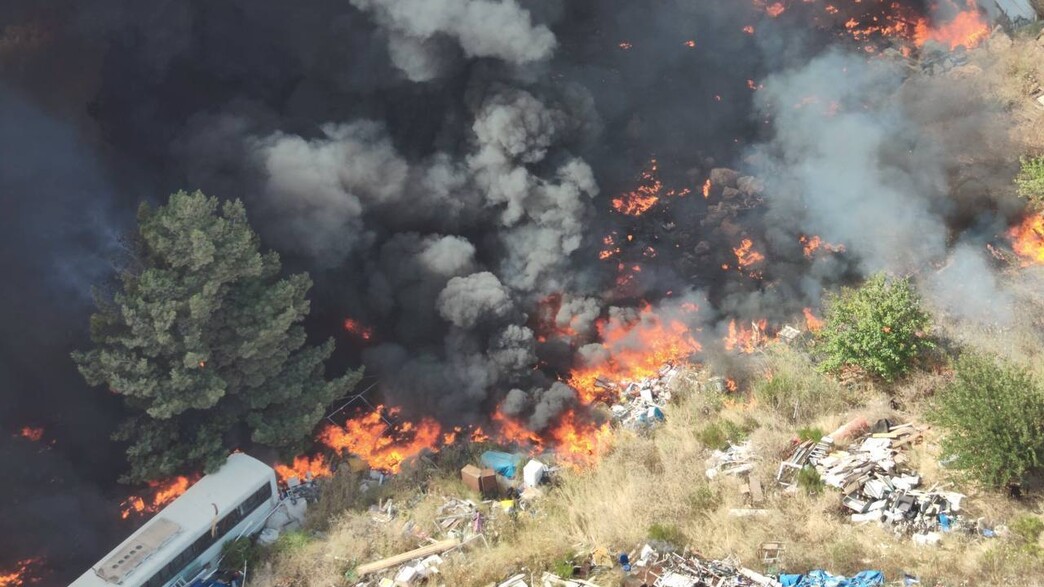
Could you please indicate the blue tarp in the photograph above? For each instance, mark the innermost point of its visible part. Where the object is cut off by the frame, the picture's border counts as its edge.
(819, 578)
(503, 463)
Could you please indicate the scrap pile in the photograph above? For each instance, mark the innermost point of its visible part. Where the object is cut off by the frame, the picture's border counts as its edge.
(875, 485)
(692, 570)
(639, 404)
(738, 459)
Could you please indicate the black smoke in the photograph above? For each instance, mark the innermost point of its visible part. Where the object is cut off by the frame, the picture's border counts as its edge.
(441, 167)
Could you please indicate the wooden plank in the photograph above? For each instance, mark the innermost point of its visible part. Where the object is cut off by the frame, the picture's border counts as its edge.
(756, 495)
(386, 563)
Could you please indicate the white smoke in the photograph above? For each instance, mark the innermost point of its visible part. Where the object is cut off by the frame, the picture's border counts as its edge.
(482, 28)
(860, 158)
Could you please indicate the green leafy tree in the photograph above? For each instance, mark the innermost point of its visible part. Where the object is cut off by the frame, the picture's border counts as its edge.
(880, 327)
(1030, 180)
(993, 417)
(204, 341)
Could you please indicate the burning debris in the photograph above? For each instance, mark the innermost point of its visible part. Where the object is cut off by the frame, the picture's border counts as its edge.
(640, 404)
(163, 492)
(649, 192)
(1027, 240)
(31, 433)
(24, 573)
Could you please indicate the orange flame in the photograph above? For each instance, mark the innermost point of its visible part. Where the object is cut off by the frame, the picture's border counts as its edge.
(33, 433)
(20, 575)
(1027, 240)
(746, 256)
(164, 493)
(968, 28)
(730, 385)
(813, 243)
(649, 191)
(633, 350)
(577, 442)
(302, 467)
(358, 328)
(382, 446)
(512, 431)
(746, 340)
(811, 322)
(706, 188)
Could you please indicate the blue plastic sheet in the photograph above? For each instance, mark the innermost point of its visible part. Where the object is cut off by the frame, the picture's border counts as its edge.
(820, 578)
(503, 463)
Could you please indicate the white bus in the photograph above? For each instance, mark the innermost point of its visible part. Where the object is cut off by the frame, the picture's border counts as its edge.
(183, 541)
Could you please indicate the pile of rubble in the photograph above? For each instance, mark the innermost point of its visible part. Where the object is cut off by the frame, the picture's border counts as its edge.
(874, 483)
(640, 404)
(691, 570)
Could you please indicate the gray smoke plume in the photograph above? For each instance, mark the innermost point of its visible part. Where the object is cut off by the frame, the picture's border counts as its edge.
(863, 158)
(467, 301)
(481, 28)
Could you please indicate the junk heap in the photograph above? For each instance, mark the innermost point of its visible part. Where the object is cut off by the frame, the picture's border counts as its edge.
(873, 481)
(641, 403)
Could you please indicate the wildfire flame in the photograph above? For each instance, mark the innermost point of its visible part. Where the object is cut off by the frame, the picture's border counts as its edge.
(649, 191)
(383, 446)
(746, 340)
(870, 21)
(358, 328)
(32, 433)
(163, 493)
(21, 574)
(811, 322)
(633, 350)
(968, 28)
(746, 257)
(706, 188)
(304, 467)
(1027, 240)
(813, 243)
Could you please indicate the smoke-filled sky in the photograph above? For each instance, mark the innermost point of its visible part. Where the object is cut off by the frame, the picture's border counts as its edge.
(440, 167)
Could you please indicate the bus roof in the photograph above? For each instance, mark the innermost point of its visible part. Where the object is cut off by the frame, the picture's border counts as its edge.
(178, 524)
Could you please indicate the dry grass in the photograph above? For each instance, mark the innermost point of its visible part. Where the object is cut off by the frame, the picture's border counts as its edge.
(659, 480)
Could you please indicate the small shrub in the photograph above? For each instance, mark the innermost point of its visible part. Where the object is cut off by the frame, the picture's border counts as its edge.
(992, 414)
(1030, 181)
(880, 327)
(239, 553)
(1027, 528)
(563, 567)
(668, 533)
(703, 499)
(720, 433)
(810, 433)
(808, 479)
(291, 542)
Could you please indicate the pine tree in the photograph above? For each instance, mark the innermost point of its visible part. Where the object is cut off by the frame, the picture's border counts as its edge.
(204, 341)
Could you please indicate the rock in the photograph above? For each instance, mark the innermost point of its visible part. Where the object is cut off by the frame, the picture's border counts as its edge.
(750, 185)
(723, 176)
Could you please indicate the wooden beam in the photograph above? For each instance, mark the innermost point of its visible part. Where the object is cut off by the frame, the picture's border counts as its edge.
(386, 563)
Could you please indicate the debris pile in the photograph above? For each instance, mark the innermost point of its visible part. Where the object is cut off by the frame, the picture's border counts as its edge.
(874, 483)
(671, 569)
(738, 459)
(640, 404)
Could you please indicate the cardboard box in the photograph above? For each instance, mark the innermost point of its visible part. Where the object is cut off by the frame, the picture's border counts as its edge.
(483, 481)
